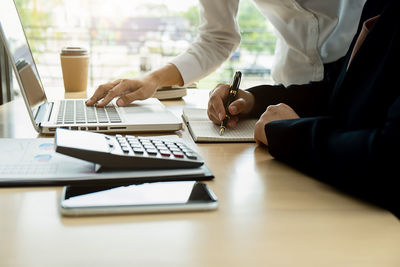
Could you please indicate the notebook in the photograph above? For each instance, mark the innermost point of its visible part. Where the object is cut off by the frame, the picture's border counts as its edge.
(204, 130)
(46, 116)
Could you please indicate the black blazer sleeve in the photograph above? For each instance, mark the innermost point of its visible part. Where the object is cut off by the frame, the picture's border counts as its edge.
(363, 162)
(306, 100)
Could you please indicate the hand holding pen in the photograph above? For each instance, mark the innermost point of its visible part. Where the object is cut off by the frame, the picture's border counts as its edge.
(233, 90)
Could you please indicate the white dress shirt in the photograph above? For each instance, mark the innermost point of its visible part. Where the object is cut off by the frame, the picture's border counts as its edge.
(309, 34)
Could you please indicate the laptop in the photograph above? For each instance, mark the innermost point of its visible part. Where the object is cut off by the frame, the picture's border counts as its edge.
(140, 116)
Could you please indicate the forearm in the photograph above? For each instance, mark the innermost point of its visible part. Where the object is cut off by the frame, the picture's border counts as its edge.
(167, 75)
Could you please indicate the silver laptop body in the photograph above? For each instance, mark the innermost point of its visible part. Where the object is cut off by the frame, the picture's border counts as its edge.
(140, 116)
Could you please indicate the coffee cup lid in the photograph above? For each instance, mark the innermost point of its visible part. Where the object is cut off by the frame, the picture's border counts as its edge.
(74, 51)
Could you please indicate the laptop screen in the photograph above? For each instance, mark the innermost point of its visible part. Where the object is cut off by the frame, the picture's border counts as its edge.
(22, 61)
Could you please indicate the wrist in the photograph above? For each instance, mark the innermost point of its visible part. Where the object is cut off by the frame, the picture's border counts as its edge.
(249, 98)
(154, 78)
(168, 75)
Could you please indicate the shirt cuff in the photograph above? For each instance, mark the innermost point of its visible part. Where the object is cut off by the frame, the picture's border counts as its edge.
(188, 67)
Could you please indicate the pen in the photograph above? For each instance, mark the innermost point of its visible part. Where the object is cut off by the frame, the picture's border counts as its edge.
(231, 97)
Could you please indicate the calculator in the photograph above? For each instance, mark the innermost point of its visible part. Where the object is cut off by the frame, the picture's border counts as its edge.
(126, 152)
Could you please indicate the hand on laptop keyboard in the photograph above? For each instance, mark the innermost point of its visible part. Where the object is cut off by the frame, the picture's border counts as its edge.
(126, 89)
(129, 90)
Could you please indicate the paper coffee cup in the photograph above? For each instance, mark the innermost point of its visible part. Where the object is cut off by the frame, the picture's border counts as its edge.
(75, 65)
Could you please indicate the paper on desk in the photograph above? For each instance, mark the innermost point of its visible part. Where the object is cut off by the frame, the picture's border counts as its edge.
(23, 158)
(30, 160)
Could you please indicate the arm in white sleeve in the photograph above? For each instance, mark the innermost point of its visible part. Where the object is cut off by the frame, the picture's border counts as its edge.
(217, 39)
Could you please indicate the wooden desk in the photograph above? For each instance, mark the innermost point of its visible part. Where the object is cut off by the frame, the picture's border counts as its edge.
(269, 215)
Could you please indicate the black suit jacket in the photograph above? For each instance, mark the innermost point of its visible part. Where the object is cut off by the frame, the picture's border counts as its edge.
(349, 133)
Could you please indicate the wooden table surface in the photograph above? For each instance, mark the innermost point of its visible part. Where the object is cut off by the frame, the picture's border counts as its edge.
(269, 215)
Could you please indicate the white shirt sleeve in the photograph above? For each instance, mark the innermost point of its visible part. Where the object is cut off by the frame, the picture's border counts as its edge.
(217, 39)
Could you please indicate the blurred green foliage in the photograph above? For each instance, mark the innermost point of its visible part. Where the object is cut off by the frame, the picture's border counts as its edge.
(35, 20)
(253, 26)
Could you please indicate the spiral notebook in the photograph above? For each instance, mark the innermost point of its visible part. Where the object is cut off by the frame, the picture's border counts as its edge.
(204, 130)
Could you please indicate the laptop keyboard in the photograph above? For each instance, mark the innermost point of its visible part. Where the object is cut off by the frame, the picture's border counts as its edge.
(76, 112)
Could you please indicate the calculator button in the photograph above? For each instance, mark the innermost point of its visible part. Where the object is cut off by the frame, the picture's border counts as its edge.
(152, 151)
(178, 154)
(132, 143)
(136, 146)
(191, 155)
(165, 152)
(125, 149)
(147, 145)
(138, 150)
(168, 143)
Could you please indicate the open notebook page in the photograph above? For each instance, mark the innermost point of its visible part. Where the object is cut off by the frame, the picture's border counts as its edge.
(204, 130)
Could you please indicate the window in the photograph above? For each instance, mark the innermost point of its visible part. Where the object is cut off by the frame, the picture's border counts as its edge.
(127, 38)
